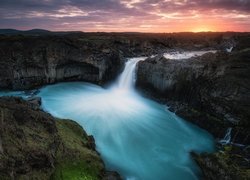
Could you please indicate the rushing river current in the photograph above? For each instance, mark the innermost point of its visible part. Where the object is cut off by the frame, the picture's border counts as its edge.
(137, 137)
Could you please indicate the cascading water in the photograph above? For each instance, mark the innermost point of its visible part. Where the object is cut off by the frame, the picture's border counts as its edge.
(135, 136)
(227, 137)
(127, 78)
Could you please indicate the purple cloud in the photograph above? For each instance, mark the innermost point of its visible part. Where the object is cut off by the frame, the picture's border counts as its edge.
(124, 15)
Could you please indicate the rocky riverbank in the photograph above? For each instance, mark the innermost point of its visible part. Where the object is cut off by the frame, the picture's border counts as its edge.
(211, 91)
(34, 145)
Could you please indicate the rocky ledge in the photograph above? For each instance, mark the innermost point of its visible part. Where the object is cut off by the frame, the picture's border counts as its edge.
(34, 145)
(212, 91)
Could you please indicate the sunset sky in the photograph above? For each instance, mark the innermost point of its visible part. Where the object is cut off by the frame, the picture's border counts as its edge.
(126, 15)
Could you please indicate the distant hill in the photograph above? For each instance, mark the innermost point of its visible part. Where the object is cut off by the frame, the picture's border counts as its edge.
(32, 31)
(35, 32)
(8, 31)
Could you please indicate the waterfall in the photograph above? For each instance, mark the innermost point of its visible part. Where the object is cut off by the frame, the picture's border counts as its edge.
(135, 136)
(229, 49)
(227, 138)
(127, 79)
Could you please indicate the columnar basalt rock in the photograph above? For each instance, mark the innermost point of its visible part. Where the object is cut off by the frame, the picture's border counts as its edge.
(27, 61)
(32, 61)
(211, 91)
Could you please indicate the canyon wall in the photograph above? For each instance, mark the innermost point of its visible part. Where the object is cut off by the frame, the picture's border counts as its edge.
(28, 61)
(211, 91)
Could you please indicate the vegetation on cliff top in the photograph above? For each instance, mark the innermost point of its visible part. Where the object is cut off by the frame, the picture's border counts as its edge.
(74, 159)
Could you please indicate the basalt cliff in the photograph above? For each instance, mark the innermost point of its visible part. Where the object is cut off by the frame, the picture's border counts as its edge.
(28, 61)
(212, 91)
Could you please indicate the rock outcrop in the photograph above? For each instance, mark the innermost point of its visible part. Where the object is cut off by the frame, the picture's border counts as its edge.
(229, 163)
(34, 145)
(212, 91)
(27, 61)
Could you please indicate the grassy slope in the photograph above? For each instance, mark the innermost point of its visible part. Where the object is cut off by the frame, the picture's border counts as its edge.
(74, 160)
(34, 145)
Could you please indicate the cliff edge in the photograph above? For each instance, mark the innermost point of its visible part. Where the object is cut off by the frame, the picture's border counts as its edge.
(34, 145)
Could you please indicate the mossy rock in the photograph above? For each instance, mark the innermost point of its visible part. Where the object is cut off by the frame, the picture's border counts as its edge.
(74, 159)
(35, 145)
(223, 165)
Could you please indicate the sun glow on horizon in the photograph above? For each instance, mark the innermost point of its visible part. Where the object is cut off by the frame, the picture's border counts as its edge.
(210, 26)
(202, 29)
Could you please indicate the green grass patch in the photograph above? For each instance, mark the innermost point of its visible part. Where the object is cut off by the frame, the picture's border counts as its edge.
(74, 160)
(74, 171)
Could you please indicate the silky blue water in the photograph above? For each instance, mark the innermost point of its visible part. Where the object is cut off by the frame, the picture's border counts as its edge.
(139, 138)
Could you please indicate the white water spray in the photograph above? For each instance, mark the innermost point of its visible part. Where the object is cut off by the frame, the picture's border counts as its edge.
(127, 79)
(176, 55)
(229, 49)
(227, 138)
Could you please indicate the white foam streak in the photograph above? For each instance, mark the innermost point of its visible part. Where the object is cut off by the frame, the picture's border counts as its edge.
(227, 138)
(185, 55)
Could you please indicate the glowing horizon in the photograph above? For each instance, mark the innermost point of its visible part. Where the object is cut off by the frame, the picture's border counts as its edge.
(127, 15)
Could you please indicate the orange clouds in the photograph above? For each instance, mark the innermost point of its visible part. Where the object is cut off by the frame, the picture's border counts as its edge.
(127, 15)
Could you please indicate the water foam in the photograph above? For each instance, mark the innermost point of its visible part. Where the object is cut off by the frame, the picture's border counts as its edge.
(186, 54)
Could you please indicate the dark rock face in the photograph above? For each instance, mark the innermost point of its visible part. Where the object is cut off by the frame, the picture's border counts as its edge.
(211, 90)
(29, 61)
(91, 142)
(34, 145)
(110, 175)
(230, 163)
